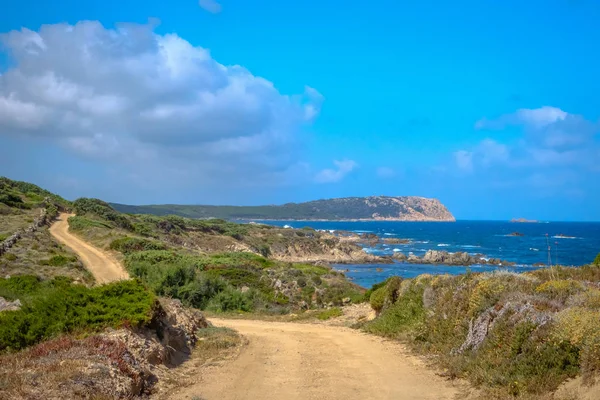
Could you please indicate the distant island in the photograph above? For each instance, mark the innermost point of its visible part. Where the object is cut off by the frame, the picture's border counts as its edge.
(373, 208)
(523, 220)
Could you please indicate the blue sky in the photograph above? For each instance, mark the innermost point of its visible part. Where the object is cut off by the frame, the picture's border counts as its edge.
(490, 106)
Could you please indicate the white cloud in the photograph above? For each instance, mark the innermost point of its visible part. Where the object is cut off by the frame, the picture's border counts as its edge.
(464, 160)
(385, 172)
(155, 102)
(555, 151)
(330, 175)
(210, 5)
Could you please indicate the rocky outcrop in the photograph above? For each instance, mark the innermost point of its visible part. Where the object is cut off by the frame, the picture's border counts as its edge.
(6, 305)
(444, 257)
(515, 234)
(326, 248)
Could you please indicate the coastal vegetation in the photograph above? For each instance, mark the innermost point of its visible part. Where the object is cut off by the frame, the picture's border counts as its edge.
(53, 307)
(512, 335)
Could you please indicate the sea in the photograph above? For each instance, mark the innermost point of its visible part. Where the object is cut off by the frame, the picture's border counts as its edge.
(571, 244)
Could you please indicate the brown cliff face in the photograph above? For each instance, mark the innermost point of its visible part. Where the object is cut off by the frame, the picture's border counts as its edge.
(408, 208)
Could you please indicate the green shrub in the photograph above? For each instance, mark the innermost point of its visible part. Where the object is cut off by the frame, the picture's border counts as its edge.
(406, 313)
(559, 289)
(128, 245)
(57, 306)
(10, 256)
(377, 299)
(58, 260)
(21, 285)
(85, 206)
(232, 300)
(199, 292)
(331, 313)
(77, 223)
(597, 260)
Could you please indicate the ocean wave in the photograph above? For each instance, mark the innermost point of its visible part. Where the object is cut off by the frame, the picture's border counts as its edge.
(534, 249)
(388, 234)
(565, 237)
(396, 250)
(361, 231)
(469, 246)
(443, 245)
(421, 241)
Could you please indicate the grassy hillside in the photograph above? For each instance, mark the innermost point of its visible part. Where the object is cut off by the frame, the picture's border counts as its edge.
(513, 335)
(188, 259)
(35, 253)
(331, 209)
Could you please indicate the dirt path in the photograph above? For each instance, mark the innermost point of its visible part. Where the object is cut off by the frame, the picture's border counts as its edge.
(306, 361)
(102, 265)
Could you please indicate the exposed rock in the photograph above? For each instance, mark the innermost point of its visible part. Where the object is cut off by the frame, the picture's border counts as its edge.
(479, 328)
(458, 258)
(346, 300)
(398, 255)
(413, 258)
(9, 305)
(395, 241)
(516, 234)
(368, 235)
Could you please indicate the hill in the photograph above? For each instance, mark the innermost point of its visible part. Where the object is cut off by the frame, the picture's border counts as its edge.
(405, 208)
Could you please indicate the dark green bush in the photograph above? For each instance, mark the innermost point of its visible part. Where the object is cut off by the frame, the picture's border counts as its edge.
(85, 206)
(58, 260)
(54, 307)
(232, 299)
(81, 223)
(128, 245)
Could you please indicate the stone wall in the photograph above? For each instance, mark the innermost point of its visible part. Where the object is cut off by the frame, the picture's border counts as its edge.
(38, 222)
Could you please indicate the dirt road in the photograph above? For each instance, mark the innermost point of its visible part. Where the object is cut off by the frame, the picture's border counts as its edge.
(309, 361)
(102, 265)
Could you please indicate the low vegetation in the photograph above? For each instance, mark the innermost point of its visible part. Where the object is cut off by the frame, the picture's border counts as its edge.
(53, 307)
(513, 335)
(330, 313)
(237, 281)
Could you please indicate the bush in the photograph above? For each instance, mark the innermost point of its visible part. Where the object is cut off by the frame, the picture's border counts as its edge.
(57, 306)
(81, 223)
(232, 300)
(597, 260)
(400, 317)
(58, 260)
(85, 206)
(559, 289)
(331, 313)
(377, 299)
(128, 245)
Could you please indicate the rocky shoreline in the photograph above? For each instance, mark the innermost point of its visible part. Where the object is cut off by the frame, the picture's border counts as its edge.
(430, 257)
(443, 257)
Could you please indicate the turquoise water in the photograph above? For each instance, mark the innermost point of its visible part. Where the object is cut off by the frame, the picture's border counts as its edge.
(489, 238)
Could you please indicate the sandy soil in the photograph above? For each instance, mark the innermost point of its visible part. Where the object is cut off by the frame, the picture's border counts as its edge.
(103, 266)
(306, 361)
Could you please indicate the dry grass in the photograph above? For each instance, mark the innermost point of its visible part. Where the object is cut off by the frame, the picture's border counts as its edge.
(16, 220)
(31, 254)
(67, 368)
